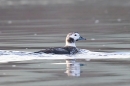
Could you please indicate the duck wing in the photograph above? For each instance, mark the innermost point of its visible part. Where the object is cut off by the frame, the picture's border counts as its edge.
(59, 50)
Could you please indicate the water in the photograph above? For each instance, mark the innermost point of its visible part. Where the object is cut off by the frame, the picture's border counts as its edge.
(30, 27)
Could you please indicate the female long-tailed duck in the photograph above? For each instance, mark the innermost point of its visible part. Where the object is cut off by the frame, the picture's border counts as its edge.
(70, 47)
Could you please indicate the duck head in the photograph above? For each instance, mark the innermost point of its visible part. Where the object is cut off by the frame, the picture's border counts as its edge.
(71, 38)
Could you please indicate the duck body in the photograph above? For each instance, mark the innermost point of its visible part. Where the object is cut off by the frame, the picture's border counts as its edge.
(60, 50)
(70, 47)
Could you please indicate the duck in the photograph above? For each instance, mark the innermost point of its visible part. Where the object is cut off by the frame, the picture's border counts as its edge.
(69, 48)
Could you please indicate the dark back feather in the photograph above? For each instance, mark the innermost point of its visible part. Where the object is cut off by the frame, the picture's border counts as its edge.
(60, 50)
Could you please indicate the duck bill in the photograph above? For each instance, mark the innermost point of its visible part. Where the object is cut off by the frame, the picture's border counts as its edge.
(81, 38)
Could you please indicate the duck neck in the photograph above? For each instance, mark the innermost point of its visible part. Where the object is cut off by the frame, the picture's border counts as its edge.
(70, 42)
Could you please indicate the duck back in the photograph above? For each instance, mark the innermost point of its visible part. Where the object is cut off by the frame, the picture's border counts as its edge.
(59, 50)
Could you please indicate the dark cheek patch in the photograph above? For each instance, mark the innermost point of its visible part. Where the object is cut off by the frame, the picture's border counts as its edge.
(70, 40)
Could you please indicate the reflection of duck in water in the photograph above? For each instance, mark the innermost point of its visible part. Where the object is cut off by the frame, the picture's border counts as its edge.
(70, 47)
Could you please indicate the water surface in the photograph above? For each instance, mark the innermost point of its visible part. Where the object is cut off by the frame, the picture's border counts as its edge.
(33, 27)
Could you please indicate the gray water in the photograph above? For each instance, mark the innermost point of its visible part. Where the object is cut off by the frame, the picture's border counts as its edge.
(34, 26)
